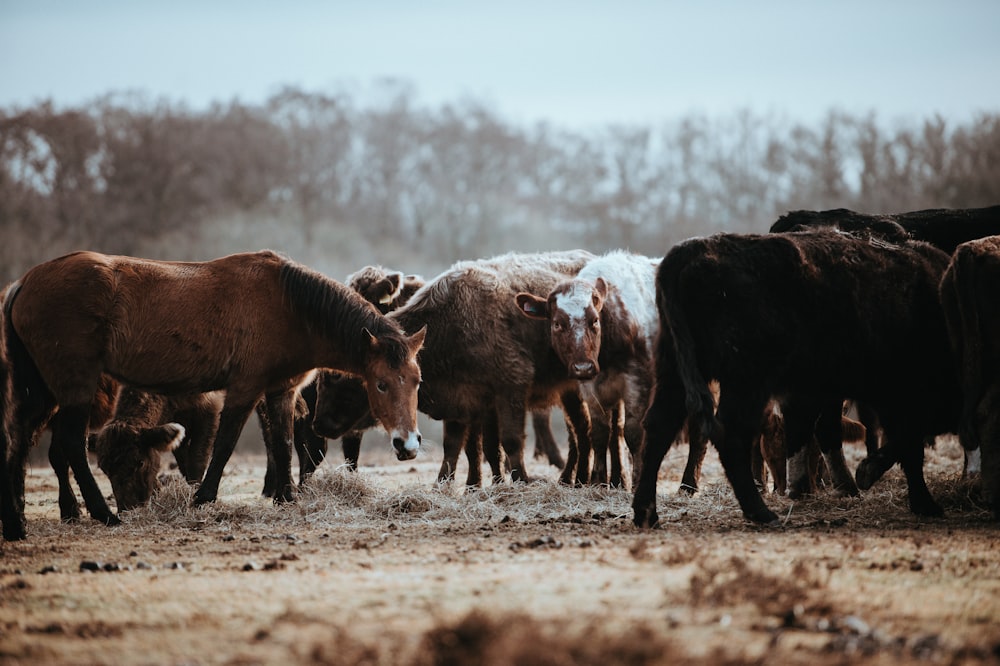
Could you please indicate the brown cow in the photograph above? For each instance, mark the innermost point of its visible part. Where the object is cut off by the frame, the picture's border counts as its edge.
(818, 315)
(484, 365)
(970, 295)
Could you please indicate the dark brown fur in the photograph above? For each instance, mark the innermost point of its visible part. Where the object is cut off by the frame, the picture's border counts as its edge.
(970, 294)
(252, 324)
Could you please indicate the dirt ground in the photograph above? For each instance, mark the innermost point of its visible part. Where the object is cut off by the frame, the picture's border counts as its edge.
(379, 567)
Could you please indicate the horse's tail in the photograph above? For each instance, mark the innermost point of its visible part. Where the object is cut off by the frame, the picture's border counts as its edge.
(699, 401)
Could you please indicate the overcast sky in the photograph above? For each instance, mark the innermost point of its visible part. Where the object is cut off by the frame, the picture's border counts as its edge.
(574, 63)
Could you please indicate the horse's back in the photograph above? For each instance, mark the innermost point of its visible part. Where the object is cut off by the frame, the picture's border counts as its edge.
(155, 324)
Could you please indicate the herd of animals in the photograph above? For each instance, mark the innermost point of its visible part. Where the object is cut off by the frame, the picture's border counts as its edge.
(756, 343)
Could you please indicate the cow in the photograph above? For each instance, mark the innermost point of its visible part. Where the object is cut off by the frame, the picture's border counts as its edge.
(970, 296)
(483, 364)
(602, 324)
(943, 228)
(145, 425)
(818, 315)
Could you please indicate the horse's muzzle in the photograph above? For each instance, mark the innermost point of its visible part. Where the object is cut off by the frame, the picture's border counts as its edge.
(406, 448)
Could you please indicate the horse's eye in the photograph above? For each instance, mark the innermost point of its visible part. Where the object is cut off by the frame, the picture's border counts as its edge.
(381, 386)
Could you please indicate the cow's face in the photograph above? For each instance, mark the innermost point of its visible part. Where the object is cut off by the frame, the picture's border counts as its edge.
(130, 457)
(573, 311)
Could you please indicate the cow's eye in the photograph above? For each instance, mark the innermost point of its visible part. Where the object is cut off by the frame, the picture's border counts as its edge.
(381, 386)
(556, 326)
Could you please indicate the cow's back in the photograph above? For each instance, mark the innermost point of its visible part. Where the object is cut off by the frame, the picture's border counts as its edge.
(478, 344)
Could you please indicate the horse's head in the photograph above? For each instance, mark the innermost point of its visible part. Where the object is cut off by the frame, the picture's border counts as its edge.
(392, 378)
(130, 457)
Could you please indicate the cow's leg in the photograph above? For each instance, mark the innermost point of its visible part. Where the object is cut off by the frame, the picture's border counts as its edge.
(568, 475)
(869, 417)
(662, 423)
(615, 443)
(578, 417)
(492, 450)
(545, 441)
(601, 427)
(474, 455)
(511, 425)
(634, 434)
(697, 448)
(829, 435)
(874, 467)
(740, 415)
(69, 433)
(200, 423)
(454, 439)
(909, 447)
(270, 480)
(350, 444)
(69, 508)
(234, 416)
(987, 424)
(280, 407)
(800, 414)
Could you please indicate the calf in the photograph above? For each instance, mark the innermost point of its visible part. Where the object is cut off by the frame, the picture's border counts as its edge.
(484, 365)
(146, 424)
(819, 315)
(970, 295)
(602, 324)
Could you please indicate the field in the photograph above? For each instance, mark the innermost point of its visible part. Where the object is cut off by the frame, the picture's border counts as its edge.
(379, 567)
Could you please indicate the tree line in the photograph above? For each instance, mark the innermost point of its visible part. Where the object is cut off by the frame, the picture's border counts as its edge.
(337, 181)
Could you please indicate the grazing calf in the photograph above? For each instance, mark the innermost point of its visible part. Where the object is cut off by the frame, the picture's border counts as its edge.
(251, 324)
(943, 228)
(144, 425)
(602, 324)
(820, 315)
(970, 295)
(484, 365)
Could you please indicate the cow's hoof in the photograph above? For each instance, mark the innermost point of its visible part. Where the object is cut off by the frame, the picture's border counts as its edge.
(646, 518)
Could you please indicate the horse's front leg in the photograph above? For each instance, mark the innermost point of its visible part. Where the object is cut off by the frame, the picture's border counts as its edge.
(69, 439)
(234, 416)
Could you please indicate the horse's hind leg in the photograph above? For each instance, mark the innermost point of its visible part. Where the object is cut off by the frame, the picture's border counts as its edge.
(231, 422)
(69, 434)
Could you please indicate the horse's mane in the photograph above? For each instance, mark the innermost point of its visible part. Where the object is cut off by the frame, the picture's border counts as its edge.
(340, 314)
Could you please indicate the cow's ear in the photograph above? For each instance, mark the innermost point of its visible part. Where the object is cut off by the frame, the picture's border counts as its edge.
(601, 287)
(162, 438)
(532, 306)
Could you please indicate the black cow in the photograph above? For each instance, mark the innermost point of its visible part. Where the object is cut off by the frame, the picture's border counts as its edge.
(970, 295)
(819, 315)
(942, 227)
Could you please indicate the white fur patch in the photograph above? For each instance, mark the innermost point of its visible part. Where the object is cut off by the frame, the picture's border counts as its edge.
(178, 438)
(634, 276)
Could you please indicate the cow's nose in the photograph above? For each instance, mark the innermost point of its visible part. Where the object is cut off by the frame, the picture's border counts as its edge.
(584, 369)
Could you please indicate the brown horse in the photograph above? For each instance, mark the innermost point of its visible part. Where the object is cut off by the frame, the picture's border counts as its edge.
(250, 324)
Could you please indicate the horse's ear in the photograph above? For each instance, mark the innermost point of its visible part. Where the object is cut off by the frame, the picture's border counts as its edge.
(416, 340)
(372, 340)
(531, 306)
